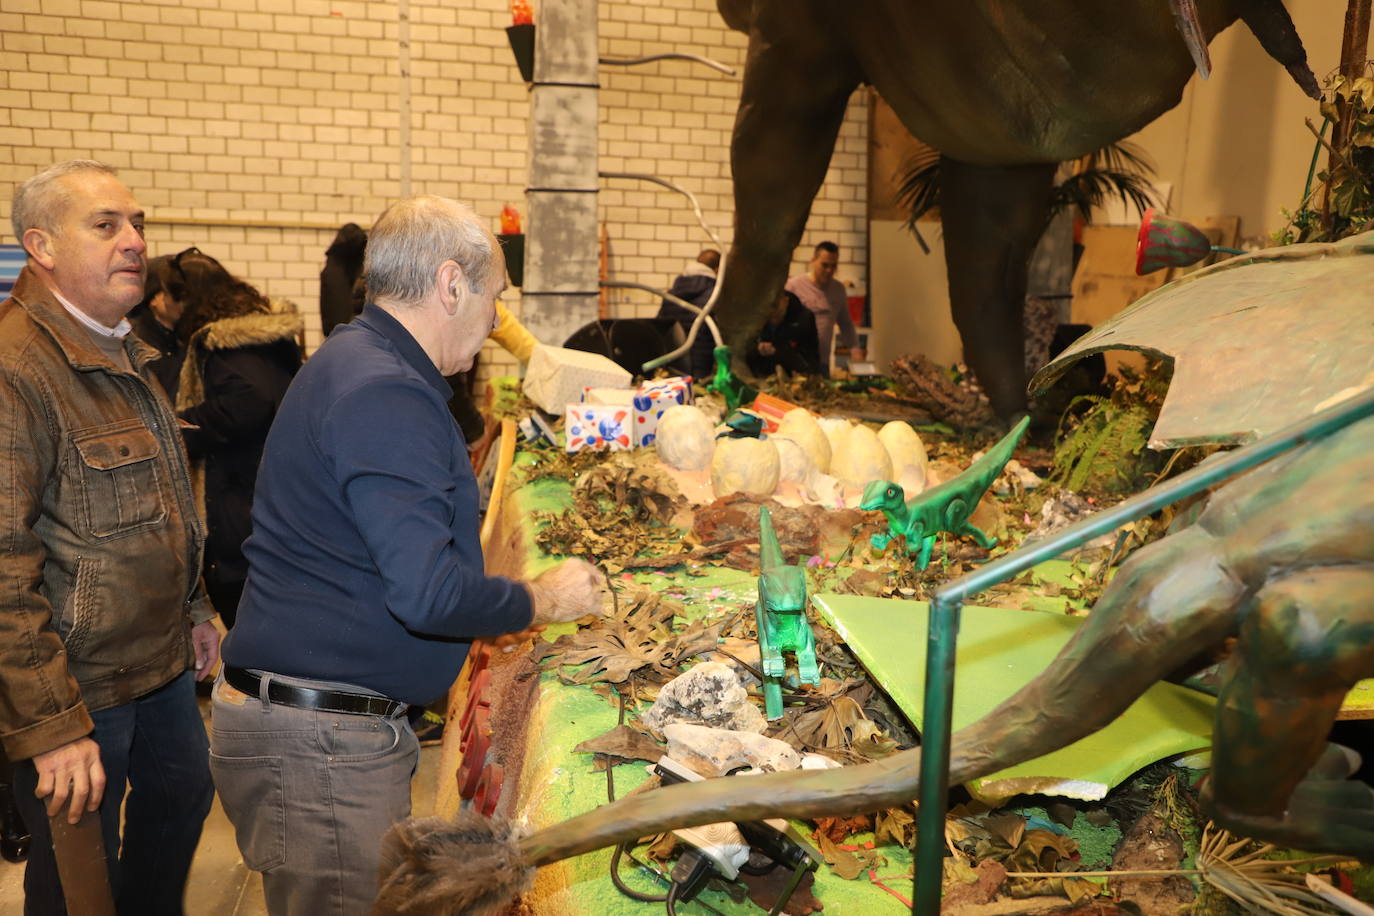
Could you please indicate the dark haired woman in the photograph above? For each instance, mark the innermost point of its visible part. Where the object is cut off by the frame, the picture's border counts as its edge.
(241, 355)
(154, 321)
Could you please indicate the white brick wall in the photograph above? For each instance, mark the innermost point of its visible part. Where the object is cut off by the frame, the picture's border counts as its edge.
(285, 113)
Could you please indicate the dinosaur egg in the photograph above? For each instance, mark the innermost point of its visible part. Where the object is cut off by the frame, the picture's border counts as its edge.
(685, 438)
(836, 430)
(801, 427)
(908, 454)
(860, 459)
(744, 466)
(794, 463)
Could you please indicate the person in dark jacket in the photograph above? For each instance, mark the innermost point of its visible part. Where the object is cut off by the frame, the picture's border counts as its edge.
(343, 268)
(154, 320)
(695, 285)
(240, 357)
(788, 339)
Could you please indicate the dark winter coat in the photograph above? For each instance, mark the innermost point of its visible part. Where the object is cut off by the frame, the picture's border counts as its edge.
(694, 286)
(343, 264)
(233, 379)
(167, 367)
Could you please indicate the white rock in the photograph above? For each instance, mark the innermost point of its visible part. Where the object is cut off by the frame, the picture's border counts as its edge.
(685, 438)
(819, 762)
(716, 751)
(794, 463)
(801, 427)
(908, 454)
(710, 694)
(744, 466)
(860, 459)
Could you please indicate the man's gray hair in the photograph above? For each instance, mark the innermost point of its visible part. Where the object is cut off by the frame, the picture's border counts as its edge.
(38, 202)
(413, 237)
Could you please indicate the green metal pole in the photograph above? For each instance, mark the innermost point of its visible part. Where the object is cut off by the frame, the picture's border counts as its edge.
(943, 632)
(941, 641)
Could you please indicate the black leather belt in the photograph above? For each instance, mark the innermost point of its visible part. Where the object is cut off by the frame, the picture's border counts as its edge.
(312, 697)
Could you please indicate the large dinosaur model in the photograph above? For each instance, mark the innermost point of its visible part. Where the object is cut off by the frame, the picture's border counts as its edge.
(946, 507)
(781, 617)
(1281, 561)
(1004, 89)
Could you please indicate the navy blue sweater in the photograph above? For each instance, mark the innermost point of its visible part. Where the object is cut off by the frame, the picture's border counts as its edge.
(364, 563)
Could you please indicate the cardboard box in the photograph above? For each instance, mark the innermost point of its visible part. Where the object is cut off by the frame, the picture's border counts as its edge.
(556, 376)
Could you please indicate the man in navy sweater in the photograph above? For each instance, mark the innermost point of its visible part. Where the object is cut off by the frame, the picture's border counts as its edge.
(365, 581)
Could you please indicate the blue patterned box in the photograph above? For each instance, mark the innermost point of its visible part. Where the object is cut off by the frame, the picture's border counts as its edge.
(652, 399)
(594, 427)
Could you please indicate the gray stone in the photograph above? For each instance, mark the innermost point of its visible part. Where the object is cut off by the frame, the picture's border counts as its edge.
(711, 695)
(717, 752)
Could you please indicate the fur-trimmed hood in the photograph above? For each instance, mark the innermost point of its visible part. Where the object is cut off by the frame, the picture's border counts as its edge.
(252, 330)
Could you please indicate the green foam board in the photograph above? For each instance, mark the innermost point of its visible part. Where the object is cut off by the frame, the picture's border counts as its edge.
(999, 652)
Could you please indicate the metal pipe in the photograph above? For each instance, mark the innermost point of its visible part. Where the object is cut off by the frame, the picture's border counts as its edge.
(625, 284)
(634, 61)
(705, 311)
(943, 633)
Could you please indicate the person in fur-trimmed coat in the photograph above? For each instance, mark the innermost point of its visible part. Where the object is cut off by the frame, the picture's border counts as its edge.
(241, 355)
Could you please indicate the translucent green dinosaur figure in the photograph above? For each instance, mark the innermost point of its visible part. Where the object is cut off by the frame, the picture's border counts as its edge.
(946, 507)
(727, 384)
(781, 616)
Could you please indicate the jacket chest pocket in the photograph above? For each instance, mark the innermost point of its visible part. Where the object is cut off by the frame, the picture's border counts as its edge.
(120, 482)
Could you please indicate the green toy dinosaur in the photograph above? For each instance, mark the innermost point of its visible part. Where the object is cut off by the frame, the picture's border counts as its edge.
(727, 384)
(781, 616)
(946, 507)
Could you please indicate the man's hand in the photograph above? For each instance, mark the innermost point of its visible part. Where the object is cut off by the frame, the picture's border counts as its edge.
(71, 772)
(509, 641)
(205, 639)
(570, 590)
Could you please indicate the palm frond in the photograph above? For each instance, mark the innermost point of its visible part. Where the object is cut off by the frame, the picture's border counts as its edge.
(919, 190)
(1093, 188)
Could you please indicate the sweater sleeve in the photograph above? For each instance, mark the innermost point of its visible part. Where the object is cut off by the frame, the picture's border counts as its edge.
(513, 335)
(393, 454)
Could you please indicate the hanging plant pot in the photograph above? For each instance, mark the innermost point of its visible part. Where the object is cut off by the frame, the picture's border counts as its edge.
(522, 44)
(513, 246)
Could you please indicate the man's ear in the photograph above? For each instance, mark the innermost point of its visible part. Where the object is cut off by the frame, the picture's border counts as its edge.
(451, 286)
(39, 244)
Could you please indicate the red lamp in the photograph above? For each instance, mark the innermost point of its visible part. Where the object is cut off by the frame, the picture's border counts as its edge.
(1167, 242)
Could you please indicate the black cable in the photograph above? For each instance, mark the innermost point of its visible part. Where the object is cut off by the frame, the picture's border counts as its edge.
(620, 882)
(671, 899)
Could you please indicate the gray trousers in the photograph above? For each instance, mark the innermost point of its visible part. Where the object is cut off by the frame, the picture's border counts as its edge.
(310, 795)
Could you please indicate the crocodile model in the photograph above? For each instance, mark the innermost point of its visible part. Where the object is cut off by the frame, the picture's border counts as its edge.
(1004, 89)
(1281, 562)
(781, 616)
(946, 507)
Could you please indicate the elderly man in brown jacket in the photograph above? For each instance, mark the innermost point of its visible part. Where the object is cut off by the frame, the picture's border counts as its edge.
(102, 620)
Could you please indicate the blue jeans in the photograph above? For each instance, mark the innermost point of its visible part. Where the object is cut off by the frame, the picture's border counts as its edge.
(156, 747)
(310, 794)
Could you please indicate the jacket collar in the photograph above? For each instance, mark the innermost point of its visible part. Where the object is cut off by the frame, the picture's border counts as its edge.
(74, 340)
(377, 320)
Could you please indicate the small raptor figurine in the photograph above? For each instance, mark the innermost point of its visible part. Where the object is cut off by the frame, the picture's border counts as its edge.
(781, 615)
(946, 507)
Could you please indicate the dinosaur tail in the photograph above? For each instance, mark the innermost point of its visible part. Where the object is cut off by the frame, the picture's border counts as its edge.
(1172, 598)
(770, 551)
(985, 470)
(1271, 24)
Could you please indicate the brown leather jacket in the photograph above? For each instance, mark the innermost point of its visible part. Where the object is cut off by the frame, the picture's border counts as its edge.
(100, 562)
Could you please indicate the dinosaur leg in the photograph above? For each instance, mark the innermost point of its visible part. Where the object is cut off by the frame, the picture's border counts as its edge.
(992, 218)
(1169, 600)
(792, 102)
(923, 556)
(770, 656)
(985, 542)
(1307, 640)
